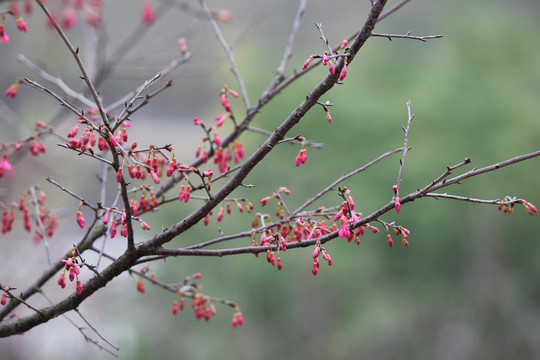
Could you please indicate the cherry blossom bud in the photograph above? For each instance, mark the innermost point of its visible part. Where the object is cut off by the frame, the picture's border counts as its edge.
(181, 304)
(279, 264)
(398, 205)
(71, 274)
(182, 44)
(80, 219)
(119, 175)
(220, 119)
(325, 58)
(217, 139)
(344, 44)
(234, 93)
(147, 14)
(328, 116)
(196, 120)
(209, 173)
(69, 18)
(315, 269)
(331, 68)
(3, 301)
(140, 286)
(220, 215)
(73, 132)
(389, 240)
(62, 280)
(343, 73)
(308, 61)
(187, 195)
(113, 228)
(78, 288)
(155, 177)
(144, 225)
(316, 252)
(12, 90)
(21, 25)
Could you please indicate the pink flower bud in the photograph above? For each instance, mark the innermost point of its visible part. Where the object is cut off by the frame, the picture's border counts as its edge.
(344, 44)
(78, 288)
(209, 173)
(398, 205)
(325, 59)
(80, 219)
(3, 301)
(21, 25)
(12, 90)
(316, 252)
(140, 286)
(62, 280)
(220, 215)
(306, 64)
(279, 264)
(187, 195)
(147, 14)
(155, 177)
(175, 308)
(119, 175)
(389, 240)
(182, 44)
(343, 73)
(315, 269)
(331, 68)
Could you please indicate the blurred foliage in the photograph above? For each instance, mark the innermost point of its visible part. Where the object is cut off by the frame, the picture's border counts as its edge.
(467, 288)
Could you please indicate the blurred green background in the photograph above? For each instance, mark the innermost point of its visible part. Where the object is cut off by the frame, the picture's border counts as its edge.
(467, 288)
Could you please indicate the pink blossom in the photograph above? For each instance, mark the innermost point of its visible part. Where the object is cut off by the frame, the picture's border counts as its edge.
(331, 68)
(13, 90)
(21, 25)
(80, 219)
(148, 14)
(62, 280)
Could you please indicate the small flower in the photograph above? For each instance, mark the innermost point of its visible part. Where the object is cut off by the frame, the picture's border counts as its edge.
(21, 25)
(209, 173)
(315, 269)
(183, 46)
(78, 288)
(62, 280)
(220, 119)
(331, 68)
(316, 251)
(147, 13)
(140, 286)
(328, 116)
(265, 200)
(301, 157)
(220, 215)
(12, 90)
(389, 240)
(343, 73)
(344, 44)
(325, 58)
(279, 264)
(308, 61)
(3, 301)
(119, 176)
(80, 219)
(175, 308)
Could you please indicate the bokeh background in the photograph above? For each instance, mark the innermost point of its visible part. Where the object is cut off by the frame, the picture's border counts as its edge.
(467, 288)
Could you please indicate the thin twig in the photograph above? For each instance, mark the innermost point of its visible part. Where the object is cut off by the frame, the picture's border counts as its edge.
(392, 10)
(55, 80)
(280, 72)
(408, 36)
(345, 177)
(405, 146)
(75, 52)
(229, 53)
(474, 200)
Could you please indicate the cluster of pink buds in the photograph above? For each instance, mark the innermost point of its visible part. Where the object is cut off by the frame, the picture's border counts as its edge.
(398, 230)
(509, 207)
(20, 23)
(319, 250)
(73, 269)
(238, 319)
(302, 154)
